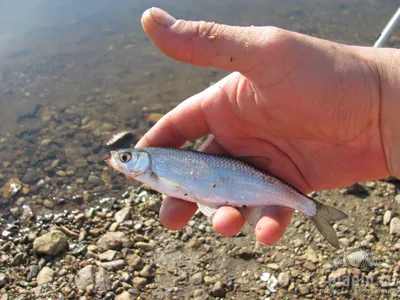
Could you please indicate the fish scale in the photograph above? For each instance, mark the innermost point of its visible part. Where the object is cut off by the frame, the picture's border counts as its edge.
(213, 181)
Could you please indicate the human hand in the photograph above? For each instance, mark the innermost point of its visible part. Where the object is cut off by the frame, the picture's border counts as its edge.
(304, 109)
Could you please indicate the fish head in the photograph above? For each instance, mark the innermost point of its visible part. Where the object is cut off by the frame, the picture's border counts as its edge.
(131, 162)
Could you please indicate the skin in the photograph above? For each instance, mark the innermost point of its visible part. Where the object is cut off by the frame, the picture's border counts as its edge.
(310, 111)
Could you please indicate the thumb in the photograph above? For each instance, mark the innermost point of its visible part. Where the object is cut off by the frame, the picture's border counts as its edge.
(209, 44)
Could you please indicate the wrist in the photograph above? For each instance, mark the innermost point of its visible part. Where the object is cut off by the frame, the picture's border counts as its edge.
(388, 62)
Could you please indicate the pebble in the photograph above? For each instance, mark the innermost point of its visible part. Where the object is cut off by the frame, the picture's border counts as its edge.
(345, 242)
(148, 271)
(108, 255)
(31, 177)
(45, 275)
(283, 279)
(144, 246)
(51, 243)
(196, 278)
(309, 266)
(94, 180)
(112, 265)
(61, 173)
(3, 279)
(95, 276)
(48, 203)
(387, 217)
(32, 272)
(303, 289)
(395, 226)
(337, 274)
(17, 259)
(218, 289)
(134, 260)
(139, 282)
(122, 215)
(310, 255)
(114, 241)
(124, 296)
(273, 266)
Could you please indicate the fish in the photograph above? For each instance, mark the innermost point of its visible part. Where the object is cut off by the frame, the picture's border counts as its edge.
(213, 180)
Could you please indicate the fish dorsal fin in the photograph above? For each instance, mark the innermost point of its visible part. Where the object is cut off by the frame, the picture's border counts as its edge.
(207, 210)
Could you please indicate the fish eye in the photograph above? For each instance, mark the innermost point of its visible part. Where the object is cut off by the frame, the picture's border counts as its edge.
(125, 157)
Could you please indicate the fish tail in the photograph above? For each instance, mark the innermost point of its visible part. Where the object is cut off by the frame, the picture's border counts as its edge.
(321, 219)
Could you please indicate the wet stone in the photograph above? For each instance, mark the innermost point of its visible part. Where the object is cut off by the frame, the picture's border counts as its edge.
(11, 187)
(32, 272)
(31, 177)
(51, 243)
(49, 203)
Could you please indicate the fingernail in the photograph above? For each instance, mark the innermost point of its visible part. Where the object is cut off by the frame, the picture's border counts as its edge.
(162, 17)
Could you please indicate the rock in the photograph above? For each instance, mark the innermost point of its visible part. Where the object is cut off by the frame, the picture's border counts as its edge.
(154, 117)
(357, 190)
(45, 275)
(17, 259)
(94, 180)
(283, 279)
(51, 243)
(31, 177)
(148, 271)
(113, 240)
(309, 266)
(218, 290)
(11, 187)
(310, 255)
(134, 260)
(139, 282)
(370, 238)
(196, 278)
(122, 215)
(387, 217)
(273, 266)
(81, 163)
(337, 275)
(32, 272)
(108, 255)
(395, 226)
(124, 296)
(345, 242)
(144, 246)
(303, 289)
(3, 279)
(61, 173)
(48, 203)
(92, 275)
(112, 265)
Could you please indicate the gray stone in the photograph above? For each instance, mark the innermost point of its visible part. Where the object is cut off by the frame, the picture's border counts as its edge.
(45, 275)
(84, 277)
(32, 273)
(17, 259)
(283, 279)
(113, 240)
(134, 260)
(3, 279)
(304, 289)
(122, 215)
(395, 226)
(93, 276)
(51, 243)
(310, 255)
(196, 278)
(309, 266)
(31, 177)
(144, 246)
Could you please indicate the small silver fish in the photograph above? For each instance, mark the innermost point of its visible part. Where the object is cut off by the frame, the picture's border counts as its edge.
(213, 181)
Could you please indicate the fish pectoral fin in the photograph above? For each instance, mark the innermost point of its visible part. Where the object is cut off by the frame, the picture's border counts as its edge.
(207, 210)
(171, 185)
(253, 214)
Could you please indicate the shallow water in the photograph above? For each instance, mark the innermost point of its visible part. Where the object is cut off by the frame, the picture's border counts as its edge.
(72, 71)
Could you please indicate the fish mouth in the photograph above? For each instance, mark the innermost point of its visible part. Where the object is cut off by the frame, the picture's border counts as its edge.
(110, 162)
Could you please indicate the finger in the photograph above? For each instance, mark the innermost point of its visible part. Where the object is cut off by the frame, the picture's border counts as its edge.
(227, 221)
(272, 226)
(175, 213)
(209, 44)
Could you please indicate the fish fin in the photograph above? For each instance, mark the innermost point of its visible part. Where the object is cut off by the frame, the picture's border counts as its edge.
(325, 214)
(207, 210)
(253, 214)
